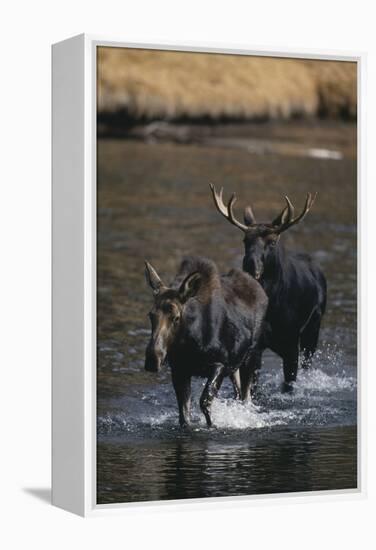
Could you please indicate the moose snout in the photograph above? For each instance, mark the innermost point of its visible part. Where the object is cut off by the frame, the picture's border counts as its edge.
(152, 363)
(154, 359)
(253, 267)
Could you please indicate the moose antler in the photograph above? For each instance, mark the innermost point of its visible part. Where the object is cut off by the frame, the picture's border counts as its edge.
(286, 218)
(226, 211)
(282, 222)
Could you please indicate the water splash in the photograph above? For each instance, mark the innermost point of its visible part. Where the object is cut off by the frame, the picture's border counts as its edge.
(321, 396)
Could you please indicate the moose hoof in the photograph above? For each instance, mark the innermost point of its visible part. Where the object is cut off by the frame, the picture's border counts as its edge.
(287, 387)
(184, 424)
(209, 423)
(185, 427)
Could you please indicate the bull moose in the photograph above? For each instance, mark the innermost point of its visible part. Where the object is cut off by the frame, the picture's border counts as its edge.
(295, 286)
(207, 325)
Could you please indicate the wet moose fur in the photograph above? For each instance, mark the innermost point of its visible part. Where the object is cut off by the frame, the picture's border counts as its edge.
(295, 286)
(207, 325)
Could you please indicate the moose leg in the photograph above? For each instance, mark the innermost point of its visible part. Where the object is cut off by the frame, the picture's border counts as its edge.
(255, 368)
(290, 366)
(182, 387)
(249, 372)
(235, 379)
(309, 338)
(211, 389)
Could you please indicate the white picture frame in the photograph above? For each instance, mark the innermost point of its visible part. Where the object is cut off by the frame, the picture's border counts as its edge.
(74, 273)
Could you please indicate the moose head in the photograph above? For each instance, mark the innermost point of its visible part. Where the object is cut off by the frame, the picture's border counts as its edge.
(166, 315)
(260, 239)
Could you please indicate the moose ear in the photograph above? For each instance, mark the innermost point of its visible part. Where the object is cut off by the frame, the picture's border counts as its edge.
(153, 279)
(249, 217)
(189, 286)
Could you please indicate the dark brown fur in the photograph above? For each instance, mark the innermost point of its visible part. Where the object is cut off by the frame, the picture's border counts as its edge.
(206, 325)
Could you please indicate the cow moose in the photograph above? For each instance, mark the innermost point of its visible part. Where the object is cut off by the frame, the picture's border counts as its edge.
(207, 325)
(295, 286)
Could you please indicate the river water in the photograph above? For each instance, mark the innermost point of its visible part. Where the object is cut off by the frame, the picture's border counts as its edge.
(154, 203)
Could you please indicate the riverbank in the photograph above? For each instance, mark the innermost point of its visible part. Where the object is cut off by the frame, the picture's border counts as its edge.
(310, 138)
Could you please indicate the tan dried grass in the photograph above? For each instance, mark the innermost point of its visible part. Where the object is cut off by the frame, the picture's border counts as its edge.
(161, 84)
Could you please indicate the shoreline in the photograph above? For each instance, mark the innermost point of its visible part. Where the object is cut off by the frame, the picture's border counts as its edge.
(317, 138)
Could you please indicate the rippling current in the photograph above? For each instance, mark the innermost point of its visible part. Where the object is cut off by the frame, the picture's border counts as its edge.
(153, 202)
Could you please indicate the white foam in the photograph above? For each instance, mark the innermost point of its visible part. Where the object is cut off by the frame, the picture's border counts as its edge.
(236, 415)
(318, 380)
(319, 397)
(110, 421)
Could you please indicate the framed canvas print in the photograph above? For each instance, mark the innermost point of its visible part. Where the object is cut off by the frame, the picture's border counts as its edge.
(206, 328)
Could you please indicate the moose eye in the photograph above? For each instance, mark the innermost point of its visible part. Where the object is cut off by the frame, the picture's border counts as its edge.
(175, 319)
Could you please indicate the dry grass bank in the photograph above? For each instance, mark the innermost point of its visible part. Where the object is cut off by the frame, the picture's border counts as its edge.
(170, 85)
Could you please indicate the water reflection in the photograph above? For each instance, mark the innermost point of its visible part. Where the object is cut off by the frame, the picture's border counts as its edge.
(191, 467)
